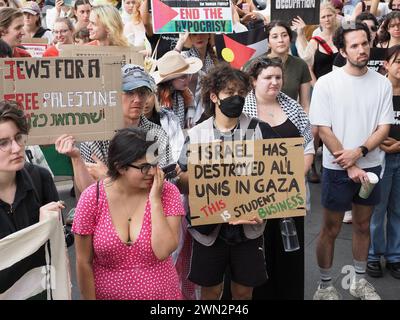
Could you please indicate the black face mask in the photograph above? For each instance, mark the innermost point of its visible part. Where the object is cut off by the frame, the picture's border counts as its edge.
(232, 107)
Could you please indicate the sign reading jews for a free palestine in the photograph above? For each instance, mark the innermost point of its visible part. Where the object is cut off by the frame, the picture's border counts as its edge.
(170, 16)
(286, 10)
(78, 96)
(241, 180)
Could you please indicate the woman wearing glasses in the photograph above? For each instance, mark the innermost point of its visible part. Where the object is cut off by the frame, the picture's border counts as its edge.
(127, 226)
(20, 204)
(389, 32)
(63, 31)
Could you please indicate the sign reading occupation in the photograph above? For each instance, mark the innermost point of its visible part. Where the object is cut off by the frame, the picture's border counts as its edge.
(196, 16)
(286, 10)
(241, 180)
(78, 96)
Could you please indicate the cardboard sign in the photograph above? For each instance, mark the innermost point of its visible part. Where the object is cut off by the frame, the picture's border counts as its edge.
(170, 16)
(240, 180)
(286, 10)
(78, 96)
(35, 46)
(127, 54)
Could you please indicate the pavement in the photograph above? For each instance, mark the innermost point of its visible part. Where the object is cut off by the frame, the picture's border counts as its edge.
(388, 287)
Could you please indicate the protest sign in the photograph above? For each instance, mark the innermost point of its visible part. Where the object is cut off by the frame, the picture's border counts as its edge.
(35, 279)
(286, 10)
(241, 180)
(170, 16)
(35, 46)
(126, 54)
(78, 96)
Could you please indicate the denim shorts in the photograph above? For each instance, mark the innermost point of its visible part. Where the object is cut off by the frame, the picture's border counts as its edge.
(339, 191)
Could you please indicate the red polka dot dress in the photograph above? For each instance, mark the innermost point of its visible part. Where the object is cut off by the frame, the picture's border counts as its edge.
(127, 272)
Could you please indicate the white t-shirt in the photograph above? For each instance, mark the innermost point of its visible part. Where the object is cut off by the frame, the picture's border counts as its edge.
(352, 107)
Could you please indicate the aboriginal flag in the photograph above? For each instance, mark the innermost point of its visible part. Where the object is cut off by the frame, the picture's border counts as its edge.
(239, 48)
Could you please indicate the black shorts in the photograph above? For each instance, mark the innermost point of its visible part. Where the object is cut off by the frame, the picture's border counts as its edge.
(246, 261)
(339, 191)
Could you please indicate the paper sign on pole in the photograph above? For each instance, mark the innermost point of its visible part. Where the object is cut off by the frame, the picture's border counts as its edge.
(78, 96)
(241, 180)
(127, 54)
(35, 46)
(170, 16)
(286, 10)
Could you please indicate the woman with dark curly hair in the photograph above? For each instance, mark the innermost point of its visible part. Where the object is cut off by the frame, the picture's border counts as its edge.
(127, 226)
(217, 246)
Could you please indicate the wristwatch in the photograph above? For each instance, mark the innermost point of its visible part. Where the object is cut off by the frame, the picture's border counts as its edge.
(364, 150)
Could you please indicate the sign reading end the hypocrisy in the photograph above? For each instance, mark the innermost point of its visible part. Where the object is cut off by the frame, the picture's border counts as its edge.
(241, 180)
(200, 16)
(78, 96)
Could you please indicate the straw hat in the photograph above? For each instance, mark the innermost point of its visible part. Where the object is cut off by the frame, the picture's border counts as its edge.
(172, 65)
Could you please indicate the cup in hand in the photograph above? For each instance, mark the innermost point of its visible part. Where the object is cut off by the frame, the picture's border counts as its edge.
(289, 235)
(367, 187)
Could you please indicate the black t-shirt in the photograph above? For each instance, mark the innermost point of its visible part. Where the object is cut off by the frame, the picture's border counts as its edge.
(23, 213)
(395, 128)
(376, 58)
(167, 43)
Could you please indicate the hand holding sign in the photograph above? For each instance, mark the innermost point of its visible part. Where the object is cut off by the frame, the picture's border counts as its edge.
(65, 144)
(51, 207)
(255, 220)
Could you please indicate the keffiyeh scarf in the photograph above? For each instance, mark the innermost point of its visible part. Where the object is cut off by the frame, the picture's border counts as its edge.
(292, 108)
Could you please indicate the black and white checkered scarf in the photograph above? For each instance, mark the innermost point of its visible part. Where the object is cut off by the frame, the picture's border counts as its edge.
(292, 108)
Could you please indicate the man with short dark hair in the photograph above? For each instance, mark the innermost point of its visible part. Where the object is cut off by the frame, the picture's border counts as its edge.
(352, 107)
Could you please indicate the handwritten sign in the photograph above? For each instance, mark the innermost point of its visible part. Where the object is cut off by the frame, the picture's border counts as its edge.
(205, 16)
(240, 180)
(286, 10)
(130, 54)
(35, 46)
(79, 96)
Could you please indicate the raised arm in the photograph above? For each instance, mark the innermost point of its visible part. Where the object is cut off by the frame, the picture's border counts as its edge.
(65, 144)
(164, 230)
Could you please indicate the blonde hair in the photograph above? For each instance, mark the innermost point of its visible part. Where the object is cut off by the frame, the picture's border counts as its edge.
(328, 6)
(136, 16)
(110, 18)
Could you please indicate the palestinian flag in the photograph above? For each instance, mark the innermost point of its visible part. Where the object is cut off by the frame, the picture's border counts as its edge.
(239, 48)
(34, 263)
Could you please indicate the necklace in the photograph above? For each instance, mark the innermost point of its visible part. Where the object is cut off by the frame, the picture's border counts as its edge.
(271, 114)
(129, 242)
